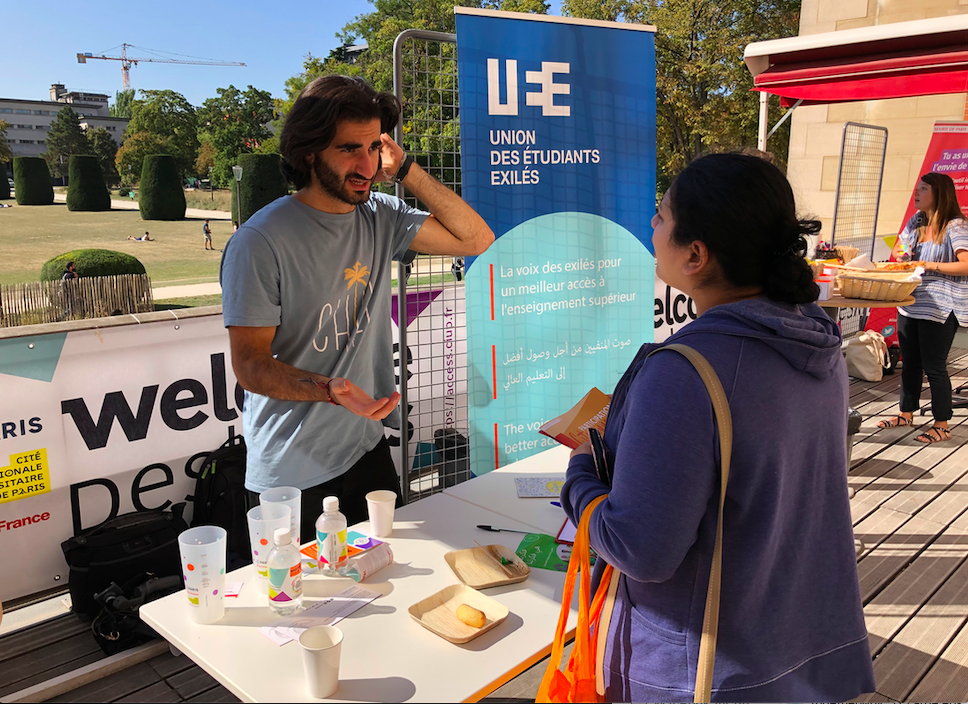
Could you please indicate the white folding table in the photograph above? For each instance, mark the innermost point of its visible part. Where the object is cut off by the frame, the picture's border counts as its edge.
(386, 655)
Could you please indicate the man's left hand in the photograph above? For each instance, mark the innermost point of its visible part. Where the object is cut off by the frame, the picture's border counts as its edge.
(392, 157)
(354, 399)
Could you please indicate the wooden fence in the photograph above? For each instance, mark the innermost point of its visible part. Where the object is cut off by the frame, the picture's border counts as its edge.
(74, 299)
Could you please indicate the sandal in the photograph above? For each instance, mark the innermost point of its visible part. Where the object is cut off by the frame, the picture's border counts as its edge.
(934, 434)
(897, 421)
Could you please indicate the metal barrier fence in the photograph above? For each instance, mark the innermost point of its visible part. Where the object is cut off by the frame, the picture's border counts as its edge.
(862, 153)
(433, 348)
(74, 299)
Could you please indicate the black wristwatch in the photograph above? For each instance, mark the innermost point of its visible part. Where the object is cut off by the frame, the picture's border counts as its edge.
(404, 169)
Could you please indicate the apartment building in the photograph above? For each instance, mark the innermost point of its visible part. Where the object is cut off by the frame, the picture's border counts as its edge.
(29, 120)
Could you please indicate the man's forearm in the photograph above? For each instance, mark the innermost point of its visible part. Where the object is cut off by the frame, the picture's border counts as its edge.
(275, 379)
(449, 209)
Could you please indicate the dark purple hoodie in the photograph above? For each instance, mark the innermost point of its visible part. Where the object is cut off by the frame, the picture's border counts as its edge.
(792, 623)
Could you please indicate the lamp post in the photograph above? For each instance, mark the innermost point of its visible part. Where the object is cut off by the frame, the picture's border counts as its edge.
(211, 186)
(237, 172)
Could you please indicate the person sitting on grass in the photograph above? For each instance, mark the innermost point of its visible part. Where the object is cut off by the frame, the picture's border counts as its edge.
(144, 238)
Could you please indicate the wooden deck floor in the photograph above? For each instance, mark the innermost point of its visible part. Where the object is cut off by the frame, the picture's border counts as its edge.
(910, 510)
(910, 513)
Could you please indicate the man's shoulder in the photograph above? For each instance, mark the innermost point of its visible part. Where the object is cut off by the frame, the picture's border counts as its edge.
(276, 217)
(383, 201)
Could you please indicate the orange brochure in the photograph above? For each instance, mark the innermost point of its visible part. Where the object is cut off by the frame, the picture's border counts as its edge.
(571, 427)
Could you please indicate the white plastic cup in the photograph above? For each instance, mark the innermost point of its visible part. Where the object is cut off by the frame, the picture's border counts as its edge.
(264, 520)
(321, 647)
(203, 567)
(289, 496)
(379, 506)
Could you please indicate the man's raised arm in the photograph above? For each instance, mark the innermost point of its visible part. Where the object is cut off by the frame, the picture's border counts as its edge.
(453, 228)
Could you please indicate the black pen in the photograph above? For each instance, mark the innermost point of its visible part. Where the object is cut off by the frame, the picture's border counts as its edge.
(505, 530)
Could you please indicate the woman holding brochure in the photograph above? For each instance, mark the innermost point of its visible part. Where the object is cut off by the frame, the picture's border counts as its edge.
(937, 237)
(792, 624)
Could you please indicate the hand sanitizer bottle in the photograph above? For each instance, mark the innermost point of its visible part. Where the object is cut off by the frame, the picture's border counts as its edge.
(285, 574)
(331, 538)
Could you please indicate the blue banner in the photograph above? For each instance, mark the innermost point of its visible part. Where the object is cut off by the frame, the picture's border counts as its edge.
(557, 122)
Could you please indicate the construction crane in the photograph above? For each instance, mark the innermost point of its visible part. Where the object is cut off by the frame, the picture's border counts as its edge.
(128, 61)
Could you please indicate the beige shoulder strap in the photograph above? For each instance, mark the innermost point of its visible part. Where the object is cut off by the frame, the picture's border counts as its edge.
(710, 624)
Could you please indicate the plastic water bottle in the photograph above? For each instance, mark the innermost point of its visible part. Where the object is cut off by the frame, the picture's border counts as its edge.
(285, 574)
(331, 538)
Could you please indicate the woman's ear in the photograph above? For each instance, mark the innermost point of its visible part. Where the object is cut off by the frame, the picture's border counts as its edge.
(698, 260)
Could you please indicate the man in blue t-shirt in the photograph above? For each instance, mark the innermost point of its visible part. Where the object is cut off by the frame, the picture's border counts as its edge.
(306, 297)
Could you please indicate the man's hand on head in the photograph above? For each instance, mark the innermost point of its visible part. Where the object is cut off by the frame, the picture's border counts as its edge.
(392, 157)
(347, 394)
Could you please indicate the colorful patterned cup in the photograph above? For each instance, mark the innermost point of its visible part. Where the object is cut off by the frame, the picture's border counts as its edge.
(263, 522)
(289, 496)
(203, 567)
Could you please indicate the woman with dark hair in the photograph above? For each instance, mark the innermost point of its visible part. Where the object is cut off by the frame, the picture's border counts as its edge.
(792, 624)
(937, 237)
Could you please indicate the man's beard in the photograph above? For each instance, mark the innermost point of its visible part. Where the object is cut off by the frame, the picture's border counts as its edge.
(334, 185)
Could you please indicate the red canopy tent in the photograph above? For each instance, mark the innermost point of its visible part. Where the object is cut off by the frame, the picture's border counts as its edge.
(903, 59)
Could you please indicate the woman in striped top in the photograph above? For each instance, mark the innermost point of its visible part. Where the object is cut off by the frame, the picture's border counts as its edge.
(937, 237)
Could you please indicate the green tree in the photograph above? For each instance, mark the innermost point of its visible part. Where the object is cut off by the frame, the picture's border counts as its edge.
(131, 156)
(379, 29)
(87, 190)
(236, 123)
(103, 146)
(168, 116)
(206, 158)
(704, 100)
(5, 152)
(64, 139)
(123, 102)
(162, 195)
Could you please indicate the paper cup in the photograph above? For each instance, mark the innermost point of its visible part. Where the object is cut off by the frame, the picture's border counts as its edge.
(288, 496)
(379, 505)
(321, 647)
(264, 520)
(203, 567)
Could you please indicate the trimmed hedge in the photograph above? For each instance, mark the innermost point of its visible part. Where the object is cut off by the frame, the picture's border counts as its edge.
(4, 185)
(31, 181)
(86, 190)
(91, 262)
(262, 182)
(162, 196)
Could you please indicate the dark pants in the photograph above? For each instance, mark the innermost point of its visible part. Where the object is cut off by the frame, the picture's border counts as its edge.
(372, 471)
(924, 351)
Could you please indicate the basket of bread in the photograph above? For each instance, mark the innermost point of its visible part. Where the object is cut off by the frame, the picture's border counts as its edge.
(883, 283)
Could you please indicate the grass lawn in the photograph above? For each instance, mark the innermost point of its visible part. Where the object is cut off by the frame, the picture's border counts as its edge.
(30, 235)
(190, 302)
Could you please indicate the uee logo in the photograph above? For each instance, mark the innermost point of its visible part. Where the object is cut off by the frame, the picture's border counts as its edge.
(544, 98)
(25, 521)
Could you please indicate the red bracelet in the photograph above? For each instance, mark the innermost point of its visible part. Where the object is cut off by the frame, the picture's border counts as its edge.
(329, 392)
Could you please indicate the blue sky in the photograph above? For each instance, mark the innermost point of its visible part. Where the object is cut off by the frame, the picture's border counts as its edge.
(271, 38)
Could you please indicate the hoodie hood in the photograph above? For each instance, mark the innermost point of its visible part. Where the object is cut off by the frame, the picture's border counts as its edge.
(803, 335)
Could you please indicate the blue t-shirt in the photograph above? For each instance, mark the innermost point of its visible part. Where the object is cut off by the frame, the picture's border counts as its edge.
(323, 281)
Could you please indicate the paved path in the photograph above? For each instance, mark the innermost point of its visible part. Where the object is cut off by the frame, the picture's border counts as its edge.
(165, 292)
(133, 205)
